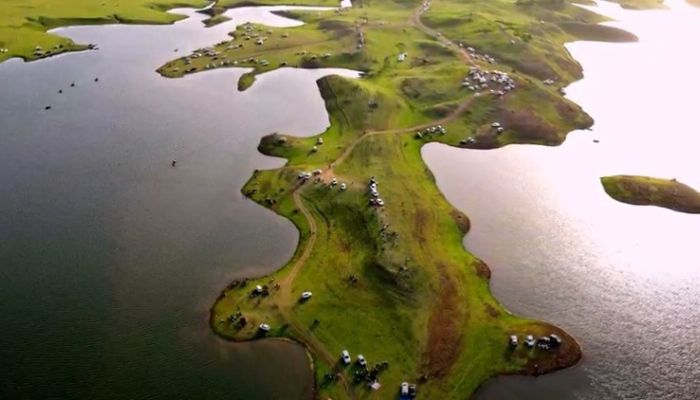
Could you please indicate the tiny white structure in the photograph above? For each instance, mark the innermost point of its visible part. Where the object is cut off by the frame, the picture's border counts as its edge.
(361, 360)
(513, 341)
(343, 186)
(306, 295)
(345, 356)
(264, 327)
(556, 339)
(402, 57)
(404, 389)
(529, 341)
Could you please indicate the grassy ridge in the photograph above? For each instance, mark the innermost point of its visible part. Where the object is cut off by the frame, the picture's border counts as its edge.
(641, 190)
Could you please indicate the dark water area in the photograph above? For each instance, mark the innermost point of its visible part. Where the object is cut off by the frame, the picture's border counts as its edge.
(109, 257)
(623, 280)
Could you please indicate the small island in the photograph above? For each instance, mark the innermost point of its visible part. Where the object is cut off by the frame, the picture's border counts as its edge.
(647, 191)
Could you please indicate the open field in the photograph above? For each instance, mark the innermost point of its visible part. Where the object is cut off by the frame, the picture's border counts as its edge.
(646, 191)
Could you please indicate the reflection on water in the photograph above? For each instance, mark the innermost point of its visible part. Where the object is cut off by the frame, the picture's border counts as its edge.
(109, 257)
(624, 280)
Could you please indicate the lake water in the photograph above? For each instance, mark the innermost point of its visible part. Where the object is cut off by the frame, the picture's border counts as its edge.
(109, 257)
(624, 280)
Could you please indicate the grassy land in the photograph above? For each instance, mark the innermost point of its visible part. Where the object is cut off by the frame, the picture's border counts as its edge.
(641, 190)
(394, 283)
(23, 23)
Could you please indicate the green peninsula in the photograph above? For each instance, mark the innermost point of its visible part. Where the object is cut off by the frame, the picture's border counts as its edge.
(380, 257)
(646, 191)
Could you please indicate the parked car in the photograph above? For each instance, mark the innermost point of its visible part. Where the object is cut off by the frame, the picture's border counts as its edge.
(345, 356)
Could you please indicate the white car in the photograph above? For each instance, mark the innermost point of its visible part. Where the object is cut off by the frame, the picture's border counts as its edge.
(513, 341)
(264, 327)
(361, 360)
(306, 295)
(529, 341)
(404, 389)
(345, 356)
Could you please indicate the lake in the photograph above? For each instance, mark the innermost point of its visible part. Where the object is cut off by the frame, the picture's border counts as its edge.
(110, 258)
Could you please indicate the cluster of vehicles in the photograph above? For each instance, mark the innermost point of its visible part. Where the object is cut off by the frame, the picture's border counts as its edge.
(374, 200)
(544, 342)
(431, 130)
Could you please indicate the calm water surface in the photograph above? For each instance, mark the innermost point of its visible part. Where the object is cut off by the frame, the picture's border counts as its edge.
(110, 258)
(624, 280)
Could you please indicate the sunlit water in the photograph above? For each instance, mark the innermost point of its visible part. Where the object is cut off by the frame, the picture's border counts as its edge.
(109, 257)
(624, 280)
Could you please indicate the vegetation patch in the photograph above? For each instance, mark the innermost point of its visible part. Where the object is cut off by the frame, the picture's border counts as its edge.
(23, 23)
(646, 191)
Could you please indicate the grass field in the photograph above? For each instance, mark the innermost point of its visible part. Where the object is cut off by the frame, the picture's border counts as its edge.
(645, 191)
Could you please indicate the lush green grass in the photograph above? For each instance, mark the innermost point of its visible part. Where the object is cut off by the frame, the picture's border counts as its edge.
(642, 190)
(23, 23)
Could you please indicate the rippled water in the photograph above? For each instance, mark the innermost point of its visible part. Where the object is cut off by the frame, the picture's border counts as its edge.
(109, 257)
(624, 280)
